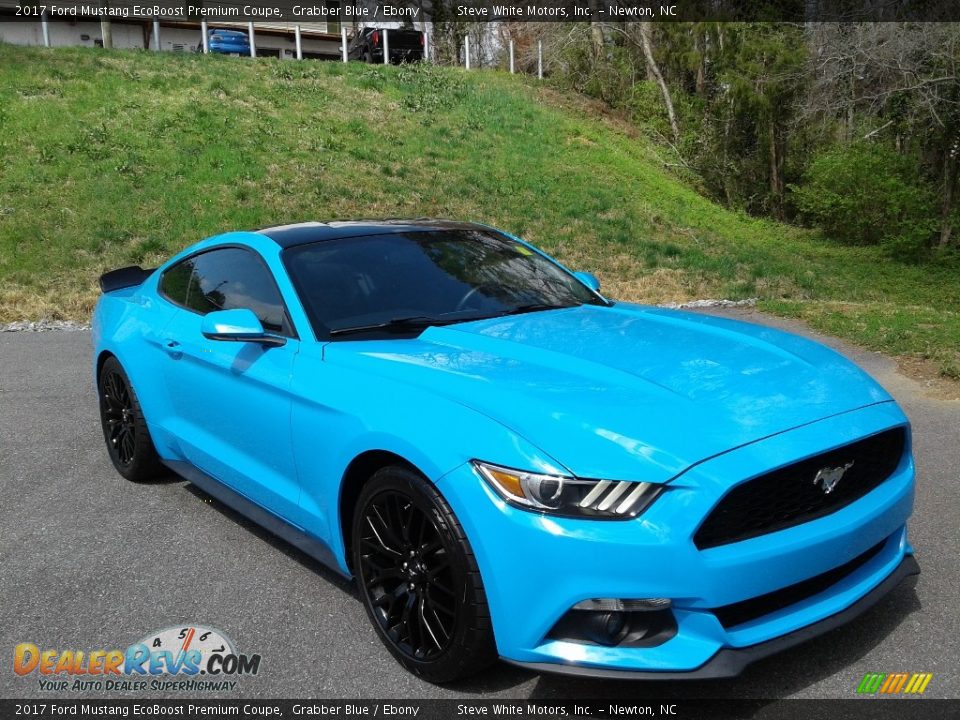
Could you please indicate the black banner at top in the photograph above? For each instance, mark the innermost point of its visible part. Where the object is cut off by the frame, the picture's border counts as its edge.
(371, 12)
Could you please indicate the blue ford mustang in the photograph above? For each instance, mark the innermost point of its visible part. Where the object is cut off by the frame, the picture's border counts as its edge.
(509, 464)
(227, 42)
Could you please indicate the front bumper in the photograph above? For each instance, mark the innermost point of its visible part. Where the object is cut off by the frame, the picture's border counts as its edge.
(730, 662)
(536, 567)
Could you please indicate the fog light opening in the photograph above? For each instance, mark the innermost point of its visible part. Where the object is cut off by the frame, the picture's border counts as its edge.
(622, 605)
(605, 628)
(617, 623)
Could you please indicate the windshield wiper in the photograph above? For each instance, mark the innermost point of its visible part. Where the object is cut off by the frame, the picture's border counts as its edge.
(535, 307)
(420, 322)
(400, 324)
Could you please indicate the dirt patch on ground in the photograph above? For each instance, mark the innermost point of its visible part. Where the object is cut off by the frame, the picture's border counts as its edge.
(583, 104)
(927, 374)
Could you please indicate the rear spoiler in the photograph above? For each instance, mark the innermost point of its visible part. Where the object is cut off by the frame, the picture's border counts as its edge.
(129, 276)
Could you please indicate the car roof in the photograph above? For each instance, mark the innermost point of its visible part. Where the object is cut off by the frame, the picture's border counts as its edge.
(309, 232)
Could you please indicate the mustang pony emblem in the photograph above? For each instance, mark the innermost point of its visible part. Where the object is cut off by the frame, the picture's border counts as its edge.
(828, 477)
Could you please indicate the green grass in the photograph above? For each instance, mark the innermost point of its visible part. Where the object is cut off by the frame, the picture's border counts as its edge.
(112, 158)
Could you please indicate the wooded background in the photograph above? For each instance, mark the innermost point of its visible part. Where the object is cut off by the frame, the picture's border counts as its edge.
(849, 127)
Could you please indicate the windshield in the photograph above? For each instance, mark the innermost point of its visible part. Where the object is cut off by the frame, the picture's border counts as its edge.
(366, 283)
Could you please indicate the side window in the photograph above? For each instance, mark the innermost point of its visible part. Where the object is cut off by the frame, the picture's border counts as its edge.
(175, 281)
(224, 280)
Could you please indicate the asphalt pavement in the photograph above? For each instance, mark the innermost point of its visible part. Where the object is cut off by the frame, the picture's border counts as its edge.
(90, 561)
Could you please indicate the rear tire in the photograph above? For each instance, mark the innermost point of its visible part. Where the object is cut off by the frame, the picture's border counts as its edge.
(419, 579)
(125, 430)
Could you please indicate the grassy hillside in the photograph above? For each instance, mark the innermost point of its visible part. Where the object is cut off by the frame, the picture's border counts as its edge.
(111, 158)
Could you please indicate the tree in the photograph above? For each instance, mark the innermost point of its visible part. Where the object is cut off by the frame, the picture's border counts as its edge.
(750, 104)
(646, 42)
(897, 81)
(763, 76)
(867, 194)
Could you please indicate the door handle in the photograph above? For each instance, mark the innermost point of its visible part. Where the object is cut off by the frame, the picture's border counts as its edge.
(173, 349)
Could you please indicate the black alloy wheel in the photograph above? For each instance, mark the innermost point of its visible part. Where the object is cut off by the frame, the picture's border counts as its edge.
(406, 570)
(124, 428)
(118, 413)
(418, 578)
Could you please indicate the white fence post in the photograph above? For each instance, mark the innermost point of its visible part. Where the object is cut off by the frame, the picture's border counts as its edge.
(253, 40)
(466, 51)
(299, 41)
(343, 42)
(511, 57)
(386, 47)
(426, 45)
(45, 26)
(206, 39)
(106, 33)
(156, 35)
(540, 59)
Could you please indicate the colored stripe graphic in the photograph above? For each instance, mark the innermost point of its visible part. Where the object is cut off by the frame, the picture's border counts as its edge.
(918, 683)
(871, 682)
(894, 683)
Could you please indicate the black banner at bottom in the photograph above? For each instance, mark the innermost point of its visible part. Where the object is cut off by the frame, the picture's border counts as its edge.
(900, 708)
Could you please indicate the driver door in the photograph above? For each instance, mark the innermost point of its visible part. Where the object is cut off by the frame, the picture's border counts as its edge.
(231, 400)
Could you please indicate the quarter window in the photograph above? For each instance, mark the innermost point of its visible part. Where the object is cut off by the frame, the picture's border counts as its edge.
(227, 279)
(175, 282)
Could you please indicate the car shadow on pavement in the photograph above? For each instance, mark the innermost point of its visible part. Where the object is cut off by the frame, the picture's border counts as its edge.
(294, 553)
(498, 678)
(167, 477)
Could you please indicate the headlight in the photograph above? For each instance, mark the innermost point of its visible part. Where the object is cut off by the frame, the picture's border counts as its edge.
(569, 496)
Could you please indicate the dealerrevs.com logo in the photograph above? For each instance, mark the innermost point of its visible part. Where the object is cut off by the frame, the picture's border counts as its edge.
(188, 658)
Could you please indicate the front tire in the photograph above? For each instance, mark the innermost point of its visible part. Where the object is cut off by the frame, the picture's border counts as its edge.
(124, 427)
(419, 579)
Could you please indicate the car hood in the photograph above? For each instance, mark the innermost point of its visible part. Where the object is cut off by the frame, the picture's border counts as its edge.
(625, 392)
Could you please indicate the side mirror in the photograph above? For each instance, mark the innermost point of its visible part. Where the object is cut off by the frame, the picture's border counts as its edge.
(238, 325)
(588, 279)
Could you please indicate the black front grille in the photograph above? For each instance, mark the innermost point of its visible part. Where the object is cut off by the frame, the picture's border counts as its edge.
(789, 496)
(747, 610)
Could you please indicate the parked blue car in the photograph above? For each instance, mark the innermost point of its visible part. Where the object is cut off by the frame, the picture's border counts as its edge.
(509, 464)
(227, 42)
